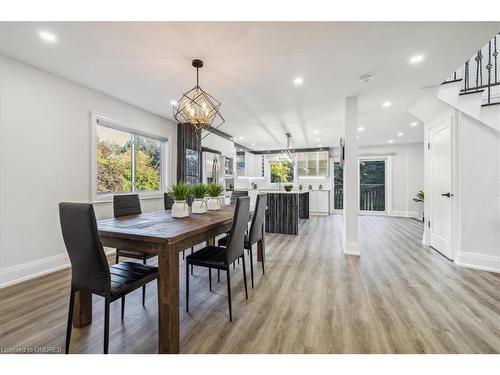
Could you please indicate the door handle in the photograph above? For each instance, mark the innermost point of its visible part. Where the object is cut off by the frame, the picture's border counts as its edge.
(447, 195)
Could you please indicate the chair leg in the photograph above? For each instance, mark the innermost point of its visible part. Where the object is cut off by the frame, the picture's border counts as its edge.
(263, 257)
(70, 319)
(144, 287)
(251, 265)
(117, 257)
(187, 286)
(229, 293)
(183, 255)
(192, 249)
(191, 269)
(210, 278)
(123, 307)
(218, 276)
(106, 326)
(244, 275)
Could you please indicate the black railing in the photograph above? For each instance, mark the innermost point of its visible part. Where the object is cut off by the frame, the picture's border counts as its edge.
(372, 197)
(480, 73)
(338, 197)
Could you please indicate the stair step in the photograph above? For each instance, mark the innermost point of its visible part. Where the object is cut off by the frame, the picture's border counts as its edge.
(472, 92)
(489, 104)
(452, 81)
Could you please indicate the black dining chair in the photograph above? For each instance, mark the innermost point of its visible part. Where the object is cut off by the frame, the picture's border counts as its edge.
(90, 270)
(220, 258)
(125, 205)
(256, 232)
(236, 194)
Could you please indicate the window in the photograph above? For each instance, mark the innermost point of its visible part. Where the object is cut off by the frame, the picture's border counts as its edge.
(312, 164)
(128, 162)
(372, 185)
(281, 171)
(338, 186)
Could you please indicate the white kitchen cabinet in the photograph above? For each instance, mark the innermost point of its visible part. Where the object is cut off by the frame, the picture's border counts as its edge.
(312, 164)
(319, 201)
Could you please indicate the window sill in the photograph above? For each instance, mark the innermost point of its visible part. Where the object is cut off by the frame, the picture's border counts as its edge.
(108, 198)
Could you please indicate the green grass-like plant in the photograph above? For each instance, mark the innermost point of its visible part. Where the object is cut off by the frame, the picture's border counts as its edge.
(199, 191)
(214, 190)
(179, 191)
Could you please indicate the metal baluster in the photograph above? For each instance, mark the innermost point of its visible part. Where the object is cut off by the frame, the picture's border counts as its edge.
(477, 58)
(466, 76)
(488, 67)
(495, 54)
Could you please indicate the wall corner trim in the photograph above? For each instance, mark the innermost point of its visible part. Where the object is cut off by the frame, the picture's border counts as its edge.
(351, 248)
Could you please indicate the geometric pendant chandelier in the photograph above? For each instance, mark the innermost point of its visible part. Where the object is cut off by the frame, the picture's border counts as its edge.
(197, 107)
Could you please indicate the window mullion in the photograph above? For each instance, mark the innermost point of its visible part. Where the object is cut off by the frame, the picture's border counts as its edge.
(132, 163)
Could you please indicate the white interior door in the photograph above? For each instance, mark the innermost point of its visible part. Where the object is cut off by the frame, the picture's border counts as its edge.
(440, 158)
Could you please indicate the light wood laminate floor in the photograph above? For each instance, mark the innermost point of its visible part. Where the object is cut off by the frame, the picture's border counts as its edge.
(398, 297)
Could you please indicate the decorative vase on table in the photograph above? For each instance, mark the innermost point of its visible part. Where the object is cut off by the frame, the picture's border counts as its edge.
(199, 192)
(213, 201)
(179, 193)
(180, 209)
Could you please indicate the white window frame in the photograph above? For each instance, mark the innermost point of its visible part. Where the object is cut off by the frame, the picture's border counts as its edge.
(165, 157)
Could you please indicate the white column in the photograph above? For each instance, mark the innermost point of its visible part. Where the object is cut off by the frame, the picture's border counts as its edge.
(351, 189)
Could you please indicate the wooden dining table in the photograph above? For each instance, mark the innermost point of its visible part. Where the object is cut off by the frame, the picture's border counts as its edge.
(160, 234)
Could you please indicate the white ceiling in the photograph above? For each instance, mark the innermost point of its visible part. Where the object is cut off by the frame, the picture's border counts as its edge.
(250, 67)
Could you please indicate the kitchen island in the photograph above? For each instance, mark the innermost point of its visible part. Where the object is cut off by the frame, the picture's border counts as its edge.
(285, 209)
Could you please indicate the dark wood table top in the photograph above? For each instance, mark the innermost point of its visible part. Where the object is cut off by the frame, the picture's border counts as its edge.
(160, 227)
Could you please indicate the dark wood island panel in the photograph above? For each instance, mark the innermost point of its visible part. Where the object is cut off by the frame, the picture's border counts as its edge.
(284, 211)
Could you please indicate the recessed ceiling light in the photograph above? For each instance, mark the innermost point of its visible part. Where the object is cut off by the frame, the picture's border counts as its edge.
(47, 37)
(253, 143)
(320, 145)
(173, 102)
(357, 137)
(298, 81)
(416, 59)
(315, 132)
(400, 134)
(240, 138)
(317, 139)
(413, 124)
(365, 78)
(386, 104)
(390, 141)
(360, 129)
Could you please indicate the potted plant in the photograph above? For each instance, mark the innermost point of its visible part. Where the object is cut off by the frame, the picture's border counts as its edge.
(199, 192)
(419, 197)
(213, 201)
(179, 193)
(288, 187)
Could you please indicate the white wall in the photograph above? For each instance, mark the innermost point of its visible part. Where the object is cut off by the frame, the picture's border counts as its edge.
(478, 194)
(45, 144)
(407, 175)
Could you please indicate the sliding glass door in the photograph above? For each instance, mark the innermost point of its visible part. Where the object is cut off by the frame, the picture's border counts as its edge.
(372, 185)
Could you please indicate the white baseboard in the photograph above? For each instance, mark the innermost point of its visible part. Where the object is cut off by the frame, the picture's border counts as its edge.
(479, 261)
(351, 248)
(36, 268)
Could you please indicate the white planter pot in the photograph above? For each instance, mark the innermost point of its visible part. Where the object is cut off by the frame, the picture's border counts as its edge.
(222, 201)
(180, 209)
(213, 203)
(199, 206)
